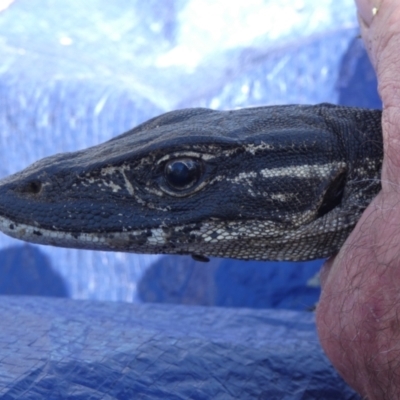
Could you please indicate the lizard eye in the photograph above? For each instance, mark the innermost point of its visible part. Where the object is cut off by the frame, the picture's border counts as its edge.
(182, 174)
(333, 196)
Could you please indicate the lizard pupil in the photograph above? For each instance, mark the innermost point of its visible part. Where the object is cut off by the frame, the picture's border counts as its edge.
(182, 174)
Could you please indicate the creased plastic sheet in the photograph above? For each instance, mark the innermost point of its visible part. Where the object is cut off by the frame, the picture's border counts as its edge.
(65, 349)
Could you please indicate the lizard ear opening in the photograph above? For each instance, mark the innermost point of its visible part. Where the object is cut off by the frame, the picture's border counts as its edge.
(333, 195)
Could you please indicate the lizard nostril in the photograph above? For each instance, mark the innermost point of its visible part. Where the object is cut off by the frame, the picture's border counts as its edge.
(34, 187)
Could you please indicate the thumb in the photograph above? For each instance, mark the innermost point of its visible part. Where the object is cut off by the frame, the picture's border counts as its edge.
(380, 28)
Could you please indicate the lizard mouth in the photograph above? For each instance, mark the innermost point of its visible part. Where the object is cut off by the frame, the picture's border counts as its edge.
(115, 241)
(247, 241)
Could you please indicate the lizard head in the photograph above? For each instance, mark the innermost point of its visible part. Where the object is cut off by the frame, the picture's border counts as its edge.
(247, 184)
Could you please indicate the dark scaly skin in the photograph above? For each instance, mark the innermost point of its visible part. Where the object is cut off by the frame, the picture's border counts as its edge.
(271, 183)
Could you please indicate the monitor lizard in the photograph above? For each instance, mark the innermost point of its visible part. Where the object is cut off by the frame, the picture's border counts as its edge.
(265, 183)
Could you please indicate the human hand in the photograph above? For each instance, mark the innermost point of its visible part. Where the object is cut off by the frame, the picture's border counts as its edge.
(358, 317)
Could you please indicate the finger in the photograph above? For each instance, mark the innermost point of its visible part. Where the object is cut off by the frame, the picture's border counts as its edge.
(380, 28)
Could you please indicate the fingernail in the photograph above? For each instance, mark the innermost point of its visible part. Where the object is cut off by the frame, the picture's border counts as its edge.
(367, 10)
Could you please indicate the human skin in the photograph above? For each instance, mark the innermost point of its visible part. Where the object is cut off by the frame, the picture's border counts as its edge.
(358, 317)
